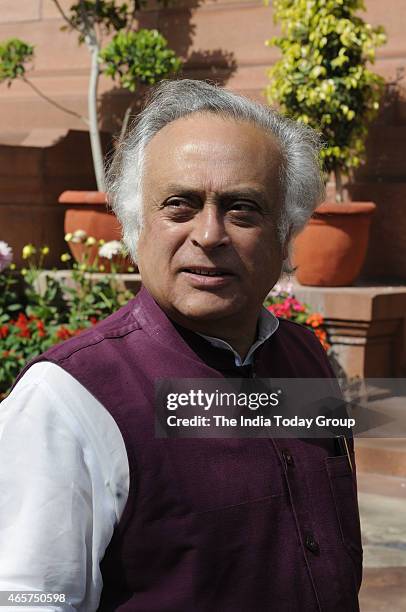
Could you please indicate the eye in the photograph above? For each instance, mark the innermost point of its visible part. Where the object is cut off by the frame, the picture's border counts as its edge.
(178, 202)
(179, 208)
(244, 206)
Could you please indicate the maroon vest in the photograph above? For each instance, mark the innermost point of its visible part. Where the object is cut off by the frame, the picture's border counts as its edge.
(221, 525)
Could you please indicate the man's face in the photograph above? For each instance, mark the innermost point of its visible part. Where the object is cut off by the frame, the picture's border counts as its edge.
(209, 251)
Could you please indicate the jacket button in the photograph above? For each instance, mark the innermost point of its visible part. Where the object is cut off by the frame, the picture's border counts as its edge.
(288, 458)
(311, 544)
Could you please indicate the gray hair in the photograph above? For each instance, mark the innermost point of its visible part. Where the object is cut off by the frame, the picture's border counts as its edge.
(301, 178)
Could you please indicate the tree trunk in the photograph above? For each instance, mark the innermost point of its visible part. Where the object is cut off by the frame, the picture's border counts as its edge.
(94, 132)
(339, 184)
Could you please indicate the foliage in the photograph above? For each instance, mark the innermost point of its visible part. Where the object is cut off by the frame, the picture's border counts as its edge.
(40, 318)
(283, 303)
(138, 57)
(14, 55)
(133, 57)
(103, 13)
(322, 78)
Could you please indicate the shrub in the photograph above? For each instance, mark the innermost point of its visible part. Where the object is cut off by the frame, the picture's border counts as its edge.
(322, 78)
(40, 318)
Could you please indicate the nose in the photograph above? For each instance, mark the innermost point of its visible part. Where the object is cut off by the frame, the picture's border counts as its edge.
(209, 229)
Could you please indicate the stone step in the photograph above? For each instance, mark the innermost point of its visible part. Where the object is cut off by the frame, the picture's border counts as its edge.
(383, 590)
(381, 456)
(382, 502)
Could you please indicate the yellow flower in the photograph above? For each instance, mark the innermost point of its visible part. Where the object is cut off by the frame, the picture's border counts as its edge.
(68, 236)
(101, 268)
(65, 257)
(101, 242)
(28, 251)
(91, 241)
(24, 271)
(45, 250)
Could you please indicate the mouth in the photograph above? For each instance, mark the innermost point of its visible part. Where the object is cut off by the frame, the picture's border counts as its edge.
(208, 276)
(207, 271)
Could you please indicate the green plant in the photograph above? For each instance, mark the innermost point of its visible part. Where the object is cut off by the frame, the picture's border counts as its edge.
(14, 54)
(134, 57)
(138, 57)
(322, 78)
(52, 311)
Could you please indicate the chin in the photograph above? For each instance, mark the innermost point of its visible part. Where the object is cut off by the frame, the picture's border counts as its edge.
(208, 308)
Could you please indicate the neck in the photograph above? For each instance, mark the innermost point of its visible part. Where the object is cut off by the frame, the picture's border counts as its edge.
(239, 337)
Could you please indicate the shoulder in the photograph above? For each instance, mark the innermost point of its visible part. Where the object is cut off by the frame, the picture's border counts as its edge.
(303, 347)
(97, 340)
(118, 324)
(52, 406)
(47, 391)
(291, 329)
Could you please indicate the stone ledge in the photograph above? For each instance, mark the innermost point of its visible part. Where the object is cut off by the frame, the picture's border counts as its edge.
(366, 325)
(132, 282)
(356, 303)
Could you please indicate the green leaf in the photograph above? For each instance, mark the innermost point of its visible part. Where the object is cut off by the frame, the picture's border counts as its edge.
(14, 55)
(323, 77)
(136, 57)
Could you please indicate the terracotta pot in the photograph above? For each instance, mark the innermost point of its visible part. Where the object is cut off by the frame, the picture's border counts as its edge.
(331, 250)
(89, 213)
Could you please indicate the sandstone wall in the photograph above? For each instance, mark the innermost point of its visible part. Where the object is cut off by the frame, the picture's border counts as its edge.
(224, 40)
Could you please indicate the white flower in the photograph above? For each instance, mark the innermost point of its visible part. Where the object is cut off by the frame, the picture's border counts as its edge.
(110, 249)
(282, 287)
(78, 236)
(6, 255)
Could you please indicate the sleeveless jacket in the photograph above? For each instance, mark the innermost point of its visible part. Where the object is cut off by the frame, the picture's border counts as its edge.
(216, 525)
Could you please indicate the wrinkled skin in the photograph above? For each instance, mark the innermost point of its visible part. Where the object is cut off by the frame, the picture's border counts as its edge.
(211, 199)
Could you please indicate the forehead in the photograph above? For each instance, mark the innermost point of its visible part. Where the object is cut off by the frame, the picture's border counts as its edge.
(207, 147)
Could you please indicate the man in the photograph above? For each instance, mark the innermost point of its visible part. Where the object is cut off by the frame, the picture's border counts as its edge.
(209, 188)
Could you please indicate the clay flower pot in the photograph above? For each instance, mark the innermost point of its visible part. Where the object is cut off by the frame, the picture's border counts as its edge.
(331, 249)
(88, 211)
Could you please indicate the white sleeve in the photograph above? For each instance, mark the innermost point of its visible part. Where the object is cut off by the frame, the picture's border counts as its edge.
(63, 483)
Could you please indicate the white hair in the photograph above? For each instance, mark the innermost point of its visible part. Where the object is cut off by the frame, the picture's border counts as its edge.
(300, 174)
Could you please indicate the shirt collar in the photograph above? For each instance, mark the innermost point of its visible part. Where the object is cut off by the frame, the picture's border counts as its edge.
(267, 325)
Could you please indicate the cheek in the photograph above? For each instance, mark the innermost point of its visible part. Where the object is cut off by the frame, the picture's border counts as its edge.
(162, 240)
(260, 248)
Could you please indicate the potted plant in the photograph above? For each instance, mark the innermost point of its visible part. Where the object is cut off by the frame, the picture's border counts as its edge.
(322, 79)
(133, 57)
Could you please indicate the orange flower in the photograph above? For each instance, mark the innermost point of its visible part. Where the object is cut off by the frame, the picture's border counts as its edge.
(322, 336)
(314, 319)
